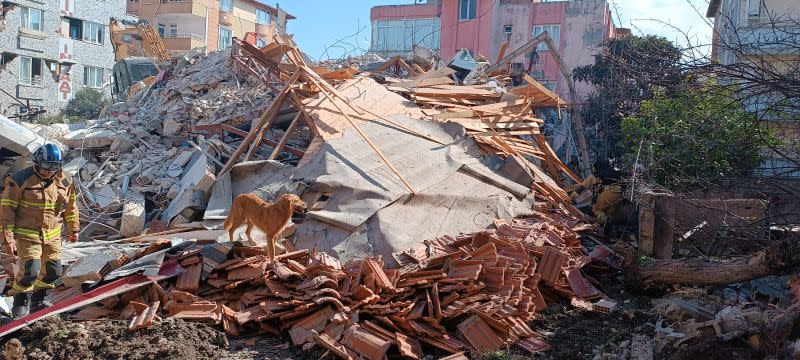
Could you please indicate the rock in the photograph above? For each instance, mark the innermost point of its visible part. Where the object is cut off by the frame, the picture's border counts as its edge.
(90, 168)
(85, 177)
(170, 127)
(132, 110)
(625, 344)
(72, 167)
(123, 118)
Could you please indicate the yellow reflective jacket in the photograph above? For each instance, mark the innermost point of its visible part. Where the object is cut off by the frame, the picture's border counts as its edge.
(35, 209)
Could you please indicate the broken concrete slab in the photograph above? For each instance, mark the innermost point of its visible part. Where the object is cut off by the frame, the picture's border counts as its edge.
(133, 215)
(90, 138)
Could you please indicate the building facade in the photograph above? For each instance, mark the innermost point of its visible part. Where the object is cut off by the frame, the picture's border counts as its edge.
(189, 24)
(761, 36)
(51, 49)
(482, 26)
(397, 28)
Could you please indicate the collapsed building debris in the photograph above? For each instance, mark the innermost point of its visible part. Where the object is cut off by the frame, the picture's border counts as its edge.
(446, 159)
(473, 293)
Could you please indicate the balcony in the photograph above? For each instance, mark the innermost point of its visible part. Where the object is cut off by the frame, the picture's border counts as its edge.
(181, 7)
(763, 39)
(183, 42)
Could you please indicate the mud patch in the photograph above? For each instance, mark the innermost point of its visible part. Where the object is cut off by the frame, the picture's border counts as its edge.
(56, 339)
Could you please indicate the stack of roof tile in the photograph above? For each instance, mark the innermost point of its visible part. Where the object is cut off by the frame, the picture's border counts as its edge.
(464, 295)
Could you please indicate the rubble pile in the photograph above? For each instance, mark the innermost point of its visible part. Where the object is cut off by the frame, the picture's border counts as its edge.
(162, 169)
(144, 147)
(469, 294)
(363, 62)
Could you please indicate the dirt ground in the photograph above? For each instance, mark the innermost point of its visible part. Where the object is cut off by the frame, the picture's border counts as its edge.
(58, 339)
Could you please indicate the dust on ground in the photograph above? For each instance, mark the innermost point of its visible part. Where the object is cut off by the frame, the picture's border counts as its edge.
(171, 339)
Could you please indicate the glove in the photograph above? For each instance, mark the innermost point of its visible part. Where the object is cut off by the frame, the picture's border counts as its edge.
(73, 238)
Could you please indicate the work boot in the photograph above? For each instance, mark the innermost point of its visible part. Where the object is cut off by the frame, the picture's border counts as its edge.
(38, 300)
(21, 305)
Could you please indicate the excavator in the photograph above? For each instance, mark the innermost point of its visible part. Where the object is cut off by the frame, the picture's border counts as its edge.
(138, 51)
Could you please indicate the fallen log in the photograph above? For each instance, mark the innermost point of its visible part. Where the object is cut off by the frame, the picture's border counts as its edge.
(653, 273)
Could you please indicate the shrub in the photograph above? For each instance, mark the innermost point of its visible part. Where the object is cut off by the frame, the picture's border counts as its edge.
(86, 104)
(693, 137)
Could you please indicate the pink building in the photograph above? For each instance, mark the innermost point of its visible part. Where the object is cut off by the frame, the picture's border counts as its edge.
(482, 26)
(397, 28)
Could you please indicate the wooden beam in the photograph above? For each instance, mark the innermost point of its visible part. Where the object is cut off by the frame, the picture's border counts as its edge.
(269, 114)
(522, 50)
(218, 128)
(503, 49)
(285, 137)
(565, 72)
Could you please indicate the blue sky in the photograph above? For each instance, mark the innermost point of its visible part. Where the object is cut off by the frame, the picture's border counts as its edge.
(321, 23)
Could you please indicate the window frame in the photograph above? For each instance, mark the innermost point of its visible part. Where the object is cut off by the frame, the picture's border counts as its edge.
(25, 18)
(30, 80)
(229, 40)
(548, 27)
(267, 17)
(754, 14)
(93, 76)
(79, 27)
(471, 8)
(226, 5)
(100, 32)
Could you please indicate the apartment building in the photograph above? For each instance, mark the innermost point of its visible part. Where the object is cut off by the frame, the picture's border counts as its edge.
(761, 34)
(482, 26)
(53, 48)
(397, 28)
(189, 24)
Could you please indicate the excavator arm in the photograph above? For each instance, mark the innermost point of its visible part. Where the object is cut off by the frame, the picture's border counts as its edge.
(150, 43)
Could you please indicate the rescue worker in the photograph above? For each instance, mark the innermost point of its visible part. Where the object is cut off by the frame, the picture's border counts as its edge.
(35, 205)
(605, 184)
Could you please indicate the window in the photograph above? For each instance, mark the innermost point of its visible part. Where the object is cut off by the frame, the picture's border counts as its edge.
(225, 38)
(508, 29)
(31, 18)
(93, 32)
(161, 30)
(75, 29)
(467, 9)
(30, 71)
(262, 17)
(93, 76)
(260, 43)
(226, 5)
(173, 31)
(753, 8)
(553, 30)
(402, 35)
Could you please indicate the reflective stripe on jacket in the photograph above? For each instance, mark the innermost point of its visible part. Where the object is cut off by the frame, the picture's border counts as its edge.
(35, 209)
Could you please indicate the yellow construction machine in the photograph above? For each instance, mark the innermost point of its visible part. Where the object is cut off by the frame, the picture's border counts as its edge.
(138, 51)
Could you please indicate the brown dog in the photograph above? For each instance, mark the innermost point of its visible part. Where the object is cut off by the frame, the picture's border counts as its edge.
(270, 218)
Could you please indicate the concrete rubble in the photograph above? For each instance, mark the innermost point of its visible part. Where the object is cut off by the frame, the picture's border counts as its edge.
(438, 219)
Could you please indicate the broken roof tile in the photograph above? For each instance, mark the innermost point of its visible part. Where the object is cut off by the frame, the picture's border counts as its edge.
(533, 345)
(369, 345)
(580, 286)
(551, 265)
